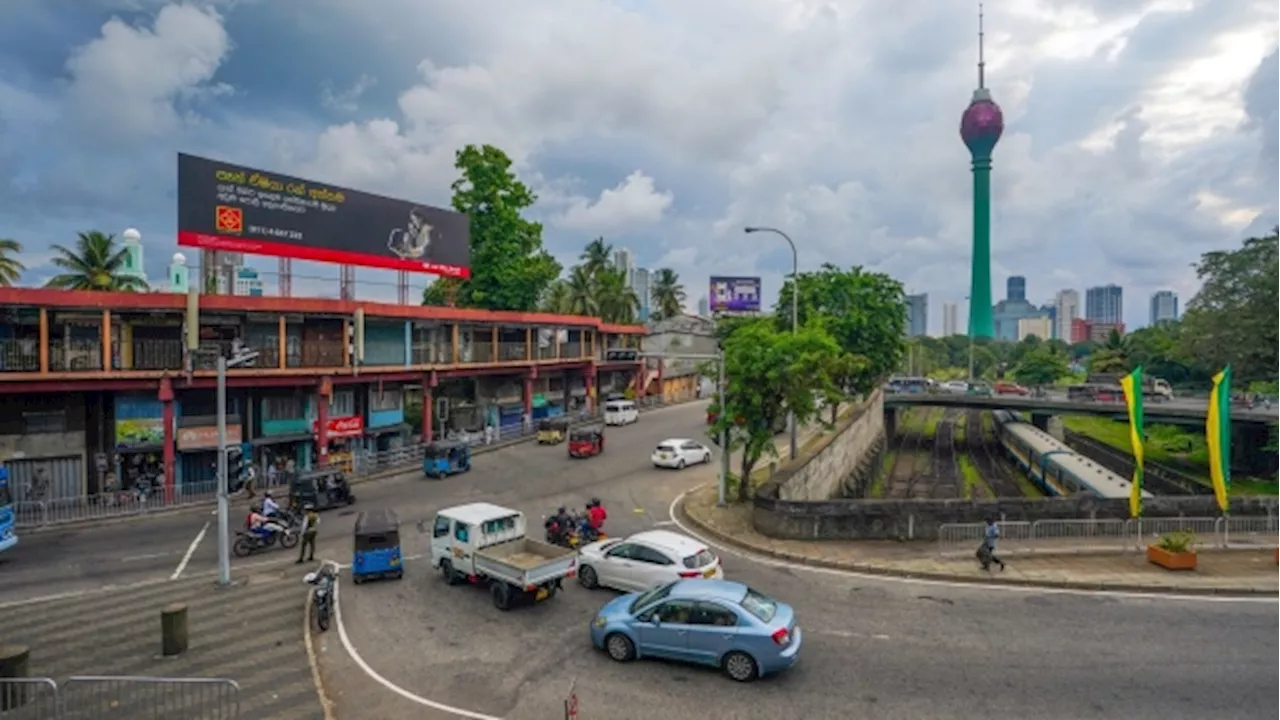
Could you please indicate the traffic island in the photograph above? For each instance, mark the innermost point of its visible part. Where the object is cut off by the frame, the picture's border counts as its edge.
(1243, 572)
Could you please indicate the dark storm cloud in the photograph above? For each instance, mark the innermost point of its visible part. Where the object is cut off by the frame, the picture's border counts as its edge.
(1262, 106)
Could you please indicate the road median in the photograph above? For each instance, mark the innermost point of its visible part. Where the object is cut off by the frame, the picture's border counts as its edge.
(1243, 572)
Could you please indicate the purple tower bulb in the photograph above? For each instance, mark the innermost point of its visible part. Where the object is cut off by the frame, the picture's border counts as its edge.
(981, 124)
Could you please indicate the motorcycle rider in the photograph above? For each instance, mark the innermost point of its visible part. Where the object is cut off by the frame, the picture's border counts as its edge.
(270, 507)
(596, 515)
(558, 526)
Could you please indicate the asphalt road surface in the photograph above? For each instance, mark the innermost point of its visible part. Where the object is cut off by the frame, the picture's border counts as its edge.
(873, 647)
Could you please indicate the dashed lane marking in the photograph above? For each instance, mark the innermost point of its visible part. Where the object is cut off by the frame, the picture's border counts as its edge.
(191, 550)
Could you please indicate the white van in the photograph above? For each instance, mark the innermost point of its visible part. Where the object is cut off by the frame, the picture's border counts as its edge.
(620, 412)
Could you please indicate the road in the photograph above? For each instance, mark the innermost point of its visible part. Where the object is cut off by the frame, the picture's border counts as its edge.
(873, 647)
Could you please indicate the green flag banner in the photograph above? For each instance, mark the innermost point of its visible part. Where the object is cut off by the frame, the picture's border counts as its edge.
(1217, 435)
(1132, 385)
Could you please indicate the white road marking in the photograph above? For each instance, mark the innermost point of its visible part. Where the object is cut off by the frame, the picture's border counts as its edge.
(190, 551)
(411, 697)
(151, 556)
(664, 523)
(989, 587)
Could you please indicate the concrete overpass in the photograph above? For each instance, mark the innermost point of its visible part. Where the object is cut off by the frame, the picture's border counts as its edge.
(1173, 412)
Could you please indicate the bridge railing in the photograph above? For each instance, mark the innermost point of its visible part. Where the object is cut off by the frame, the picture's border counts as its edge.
(1050, 537)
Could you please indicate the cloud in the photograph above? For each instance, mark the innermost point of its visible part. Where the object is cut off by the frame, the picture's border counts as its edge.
(1139, 133)
(635, 204)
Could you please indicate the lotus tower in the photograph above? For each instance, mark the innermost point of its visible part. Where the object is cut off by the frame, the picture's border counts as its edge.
(980, 128)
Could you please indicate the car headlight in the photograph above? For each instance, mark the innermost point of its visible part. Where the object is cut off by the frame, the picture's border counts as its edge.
(599, 622)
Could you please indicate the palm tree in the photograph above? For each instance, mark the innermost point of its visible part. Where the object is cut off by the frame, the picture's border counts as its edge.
(667, 294)
(558, 299)
(94, 265)
(597, 256)
(10, 268)
(583, 299)
(615, 300)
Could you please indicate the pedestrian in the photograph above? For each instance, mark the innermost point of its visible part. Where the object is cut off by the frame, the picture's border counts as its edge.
(310, 524)
(488, 434)
(987, 551)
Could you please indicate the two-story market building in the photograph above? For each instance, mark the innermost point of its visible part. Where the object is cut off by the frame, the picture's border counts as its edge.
(93, 384)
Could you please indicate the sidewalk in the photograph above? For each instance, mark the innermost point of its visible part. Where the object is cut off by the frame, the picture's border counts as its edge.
(1219, 572)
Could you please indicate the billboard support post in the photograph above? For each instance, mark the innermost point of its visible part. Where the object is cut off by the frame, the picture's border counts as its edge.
(795, 314)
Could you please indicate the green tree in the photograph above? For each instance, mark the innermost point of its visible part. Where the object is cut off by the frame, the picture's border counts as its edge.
(865, 312)
(1158, 350)
(597, 256)
(95, 264)
(10, 267)
(558, 298)
(615, 301)
(770, 371)
(582, 292)
(510, 270)
(1041, 366)
(667, 294)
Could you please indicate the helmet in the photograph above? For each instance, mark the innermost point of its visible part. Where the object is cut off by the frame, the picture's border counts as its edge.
(266, 494)
(560, 510)
(595, 502)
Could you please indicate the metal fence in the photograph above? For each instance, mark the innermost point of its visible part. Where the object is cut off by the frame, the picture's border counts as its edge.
(128, 503)
(120, 698)
(1084, 535)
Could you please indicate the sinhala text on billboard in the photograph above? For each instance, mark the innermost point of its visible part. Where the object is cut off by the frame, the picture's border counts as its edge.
(735, 294)
(237, 209)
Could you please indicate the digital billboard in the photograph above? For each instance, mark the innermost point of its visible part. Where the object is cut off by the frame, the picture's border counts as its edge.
(235, 209)
(735, 294)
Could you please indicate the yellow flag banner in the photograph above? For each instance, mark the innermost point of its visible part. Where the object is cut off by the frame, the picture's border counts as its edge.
(1132, 386)
(1217, 436)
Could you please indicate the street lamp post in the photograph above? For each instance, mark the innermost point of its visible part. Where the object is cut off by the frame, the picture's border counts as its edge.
(966, 297)
(795, 311)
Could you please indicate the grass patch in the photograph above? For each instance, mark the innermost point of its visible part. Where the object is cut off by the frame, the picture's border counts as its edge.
(1028, 488)
(974, 485)
(958, 432)
(931, 423)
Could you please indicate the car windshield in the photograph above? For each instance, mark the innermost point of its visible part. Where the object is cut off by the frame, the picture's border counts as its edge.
(651, 596)
(762, 606)
(700, 559)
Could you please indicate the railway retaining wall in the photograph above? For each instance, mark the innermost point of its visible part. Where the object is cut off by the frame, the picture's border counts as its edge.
(919, 519)
(847, 454)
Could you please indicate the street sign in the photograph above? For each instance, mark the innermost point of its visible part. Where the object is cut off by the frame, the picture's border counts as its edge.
(621, 355)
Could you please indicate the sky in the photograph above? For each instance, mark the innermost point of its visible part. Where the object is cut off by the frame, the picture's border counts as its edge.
(1139, 133)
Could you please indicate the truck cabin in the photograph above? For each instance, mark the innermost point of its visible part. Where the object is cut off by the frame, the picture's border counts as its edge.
(478, 525)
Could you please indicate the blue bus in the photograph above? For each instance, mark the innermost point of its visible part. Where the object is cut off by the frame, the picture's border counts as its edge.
(8, 538)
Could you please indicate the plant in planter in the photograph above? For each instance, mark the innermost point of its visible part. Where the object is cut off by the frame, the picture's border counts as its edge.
(1174, 551)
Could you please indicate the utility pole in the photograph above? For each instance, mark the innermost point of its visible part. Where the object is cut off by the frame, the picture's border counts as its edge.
(724, 437)
(795, 311)
(224, 511)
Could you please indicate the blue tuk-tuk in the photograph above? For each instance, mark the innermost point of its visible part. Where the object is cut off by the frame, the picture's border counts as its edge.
(377, 546)
(446, 457)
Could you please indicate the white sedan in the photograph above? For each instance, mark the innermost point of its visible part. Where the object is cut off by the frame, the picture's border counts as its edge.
(645, 560)
(955, 387)
(678, 452)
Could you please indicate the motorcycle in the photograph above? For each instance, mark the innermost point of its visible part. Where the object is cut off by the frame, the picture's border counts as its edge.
(562, 535)
(322, 596)
(248, 542)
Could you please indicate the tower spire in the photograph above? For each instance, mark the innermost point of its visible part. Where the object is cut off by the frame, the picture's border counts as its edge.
(982, 65)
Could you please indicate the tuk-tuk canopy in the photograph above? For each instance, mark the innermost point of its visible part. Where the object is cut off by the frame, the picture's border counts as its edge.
(377, 522)
(556, 423)
(441, 448)
(588, 432)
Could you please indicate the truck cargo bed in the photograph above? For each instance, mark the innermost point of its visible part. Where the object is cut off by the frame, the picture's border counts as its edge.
(525, 562)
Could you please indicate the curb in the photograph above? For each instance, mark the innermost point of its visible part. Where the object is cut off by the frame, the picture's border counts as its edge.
(890, 571)
(325, 703)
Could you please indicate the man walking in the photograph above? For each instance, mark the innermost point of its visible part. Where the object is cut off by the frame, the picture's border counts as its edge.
(310, 524)
(987, 551)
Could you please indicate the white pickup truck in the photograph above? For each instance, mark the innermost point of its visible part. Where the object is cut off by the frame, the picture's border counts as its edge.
(485, 543)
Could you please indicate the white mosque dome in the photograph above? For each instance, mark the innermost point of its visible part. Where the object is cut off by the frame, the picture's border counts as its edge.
(131, 235)
(179, 259)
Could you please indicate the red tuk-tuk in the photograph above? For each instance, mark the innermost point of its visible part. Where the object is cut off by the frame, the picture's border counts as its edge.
(586, 441)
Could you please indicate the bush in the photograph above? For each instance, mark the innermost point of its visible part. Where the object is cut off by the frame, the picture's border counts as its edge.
(1177, 542)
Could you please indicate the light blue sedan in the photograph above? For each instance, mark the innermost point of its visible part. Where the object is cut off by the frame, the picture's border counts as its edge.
(709, 622)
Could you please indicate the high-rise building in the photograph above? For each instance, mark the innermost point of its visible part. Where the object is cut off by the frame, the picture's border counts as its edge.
(918, 315)
(704, 306)
(1068, 309)
(1015, 288)
(1050, 311)
(980, 127)
(950, 319)
(640, 284)
(1164, 307)
(1104, 304)
(1040, 327)
(626, 262)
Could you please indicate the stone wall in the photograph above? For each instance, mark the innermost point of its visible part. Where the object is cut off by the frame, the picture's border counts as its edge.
(820, 473)
(919, 519)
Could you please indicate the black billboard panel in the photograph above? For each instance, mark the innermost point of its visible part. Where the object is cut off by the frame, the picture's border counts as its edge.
(237, 209)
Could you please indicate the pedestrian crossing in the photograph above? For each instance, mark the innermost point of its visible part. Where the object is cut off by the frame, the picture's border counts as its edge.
(251, 632)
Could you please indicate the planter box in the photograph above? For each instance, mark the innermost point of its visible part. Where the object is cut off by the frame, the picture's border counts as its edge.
(1171, 560)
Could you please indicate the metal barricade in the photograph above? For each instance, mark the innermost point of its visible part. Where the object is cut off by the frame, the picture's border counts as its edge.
(28, 699)
(152, 698)
(1080, 534)
(1249, 532)
(964, 538)
(1144, 531)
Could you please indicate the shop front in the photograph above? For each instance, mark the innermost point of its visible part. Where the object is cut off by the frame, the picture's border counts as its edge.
(346, 435)
(198, 453)
(137, 462)
(285, 433)
(386, 428)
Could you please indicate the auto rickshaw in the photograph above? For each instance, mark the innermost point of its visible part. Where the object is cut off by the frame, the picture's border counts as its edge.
(446, 457)
(586, 441)
(324, 489)
(377, 546)
(552, 431)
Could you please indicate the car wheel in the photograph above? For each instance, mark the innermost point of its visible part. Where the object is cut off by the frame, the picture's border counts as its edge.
(620, 647)
(706, 458)
(680, 465)
(740, 667)
(587, 577)
(446, 570)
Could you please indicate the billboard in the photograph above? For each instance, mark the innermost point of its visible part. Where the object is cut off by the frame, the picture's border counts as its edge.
(735, 294)
(235, 209)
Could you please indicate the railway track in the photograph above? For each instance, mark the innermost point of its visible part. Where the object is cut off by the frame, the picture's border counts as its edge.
(984, 451)
(910, 443)
(945, 479)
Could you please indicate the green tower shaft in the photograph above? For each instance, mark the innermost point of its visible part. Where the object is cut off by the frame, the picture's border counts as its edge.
(980, 324)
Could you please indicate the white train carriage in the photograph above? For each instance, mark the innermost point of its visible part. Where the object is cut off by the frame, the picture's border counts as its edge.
(1055, 468)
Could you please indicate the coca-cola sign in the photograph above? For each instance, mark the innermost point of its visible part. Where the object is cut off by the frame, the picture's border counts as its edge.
(338, 427)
